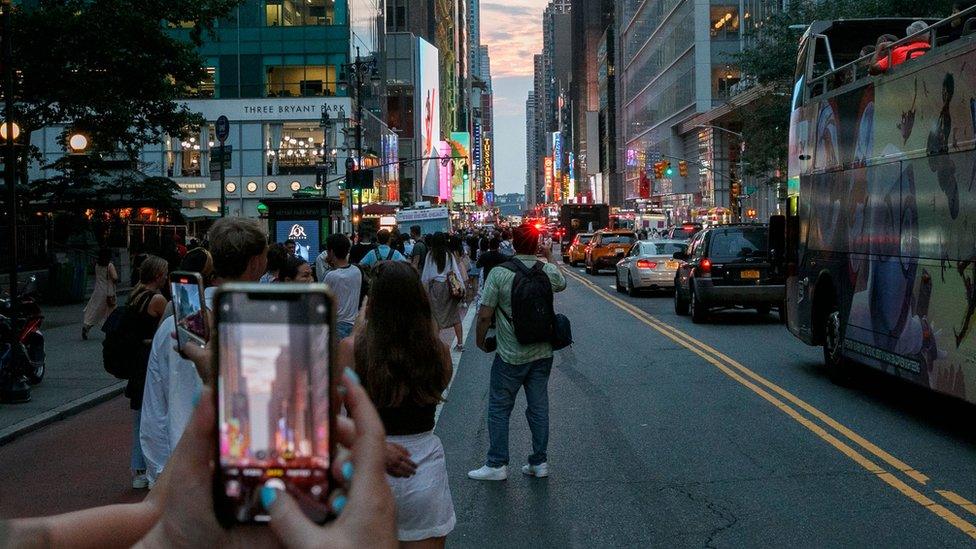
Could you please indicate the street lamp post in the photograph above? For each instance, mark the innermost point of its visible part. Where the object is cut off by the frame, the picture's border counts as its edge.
(357, 74)
(10, 155)
(742, 140)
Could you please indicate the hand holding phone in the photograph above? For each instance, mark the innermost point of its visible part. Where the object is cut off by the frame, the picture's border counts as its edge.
(276, 399)
(189, 309)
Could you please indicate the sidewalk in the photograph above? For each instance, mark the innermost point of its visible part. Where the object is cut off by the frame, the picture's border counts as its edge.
(75, 379)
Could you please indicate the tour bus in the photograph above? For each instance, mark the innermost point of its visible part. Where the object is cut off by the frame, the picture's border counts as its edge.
(879, 238)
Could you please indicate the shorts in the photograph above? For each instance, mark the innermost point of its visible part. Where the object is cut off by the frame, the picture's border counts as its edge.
(425, 508)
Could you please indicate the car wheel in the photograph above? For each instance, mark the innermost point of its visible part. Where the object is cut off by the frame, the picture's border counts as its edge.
(619, 287)
(680, 303)
(631, 290)
(699, 310)
(588, 269)
(838, 368)
(565, 259)
(763, 310)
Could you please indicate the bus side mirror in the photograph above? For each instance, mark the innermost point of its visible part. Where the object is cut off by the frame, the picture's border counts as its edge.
(777, 240)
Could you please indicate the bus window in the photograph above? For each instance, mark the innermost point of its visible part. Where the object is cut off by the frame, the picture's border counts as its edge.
(799, 76)
(823, 60)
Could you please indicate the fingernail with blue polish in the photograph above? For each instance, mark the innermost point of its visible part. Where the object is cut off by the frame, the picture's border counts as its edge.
(196, 396)
(268, 496)
(338, 504)
(352, 376)
(347, 470)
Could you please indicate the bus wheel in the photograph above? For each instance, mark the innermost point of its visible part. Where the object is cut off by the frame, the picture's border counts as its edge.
(837, 366)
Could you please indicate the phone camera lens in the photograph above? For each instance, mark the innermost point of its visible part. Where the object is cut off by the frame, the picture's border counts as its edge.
(320, 309)
(274, 308)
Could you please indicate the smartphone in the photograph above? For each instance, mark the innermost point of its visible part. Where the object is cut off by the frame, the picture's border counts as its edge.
(275, 399)
(188, 308)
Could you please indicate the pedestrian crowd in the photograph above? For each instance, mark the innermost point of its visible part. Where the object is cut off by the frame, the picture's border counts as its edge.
(394, 294)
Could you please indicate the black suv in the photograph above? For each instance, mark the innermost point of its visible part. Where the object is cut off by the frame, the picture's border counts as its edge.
(727, 266)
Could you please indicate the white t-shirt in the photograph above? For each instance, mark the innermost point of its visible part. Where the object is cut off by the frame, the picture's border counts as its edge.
(346, 283)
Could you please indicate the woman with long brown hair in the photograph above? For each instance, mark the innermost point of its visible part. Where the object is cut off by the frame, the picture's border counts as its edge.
(396, 350)
(442, 278)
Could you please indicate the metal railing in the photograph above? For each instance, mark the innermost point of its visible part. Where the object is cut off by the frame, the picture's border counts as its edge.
(862, 66)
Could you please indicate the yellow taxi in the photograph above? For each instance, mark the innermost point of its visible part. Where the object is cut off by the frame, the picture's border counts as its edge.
(576, 251)
(607, 247)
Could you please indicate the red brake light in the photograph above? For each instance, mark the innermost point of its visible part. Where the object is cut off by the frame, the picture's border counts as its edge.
(705, 265)
(538, 226)
(646, 264)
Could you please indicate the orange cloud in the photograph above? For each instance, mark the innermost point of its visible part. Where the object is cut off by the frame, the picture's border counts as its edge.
(512, 29)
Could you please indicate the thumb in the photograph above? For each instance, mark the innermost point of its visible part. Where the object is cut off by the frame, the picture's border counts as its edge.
(288, 521)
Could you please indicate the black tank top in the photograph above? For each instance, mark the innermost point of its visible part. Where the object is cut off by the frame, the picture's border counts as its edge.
(408, 419)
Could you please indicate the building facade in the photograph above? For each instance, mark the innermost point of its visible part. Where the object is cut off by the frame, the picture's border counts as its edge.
(676, 60)
(274, 69)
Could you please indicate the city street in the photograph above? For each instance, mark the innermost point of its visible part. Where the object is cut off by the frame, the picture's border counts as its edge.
(663, 433)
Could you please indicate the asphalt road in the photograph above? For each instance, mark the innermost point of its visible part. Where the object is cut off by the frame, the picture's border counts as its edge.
(727, 434)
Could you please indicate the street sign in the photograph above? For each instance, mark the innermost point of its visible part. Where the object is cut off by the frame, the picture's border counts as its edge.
(215, 154)
(222, 127)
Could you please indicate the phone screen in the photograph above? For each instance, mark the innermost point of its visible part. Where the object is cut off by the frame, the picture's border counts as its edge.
(191, 321)
(273, 398)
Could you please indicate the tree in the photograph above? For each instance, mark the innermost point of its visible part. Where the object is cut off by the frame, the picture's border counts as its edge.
(108, 68)
(771, 58)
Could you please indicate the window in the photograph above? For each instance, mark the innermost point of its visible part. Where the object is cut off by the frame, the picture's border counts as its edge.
(297, 13)
(724, 77)
(664, 248)
(400, 112)
(293, 148)
(207, 86)
(724, 22)
(191, 157)
(301, 80)
(733, 245)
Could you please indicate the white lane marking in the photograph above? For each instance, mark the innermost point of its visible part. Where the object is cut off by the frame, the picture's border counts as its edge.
(456, 356)
(612, 286)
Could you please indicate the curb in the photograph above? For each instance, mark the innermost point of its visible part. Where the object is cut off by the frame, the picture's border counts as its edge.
(61, 412)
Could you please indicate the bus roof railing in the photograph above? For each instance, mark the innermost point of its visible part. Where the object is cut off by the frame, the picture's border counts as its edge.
(865, 62)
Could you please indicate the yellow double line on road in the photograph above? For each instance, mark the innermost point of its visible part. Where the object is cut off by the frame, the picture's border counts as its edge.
(769, 391)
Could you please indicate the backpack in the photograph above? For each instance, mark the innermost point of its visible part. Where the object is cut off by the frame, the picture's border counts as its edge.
(122, 344)
(533, 317)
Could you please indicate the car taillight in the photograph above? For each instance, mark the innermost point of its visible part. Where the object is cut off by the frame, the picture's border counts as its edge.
(705, 266)
(646, 264)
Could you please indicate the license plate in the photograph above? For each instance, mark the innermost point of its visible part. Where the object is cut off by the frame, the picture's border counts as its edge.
(671, 264)
(749, 275)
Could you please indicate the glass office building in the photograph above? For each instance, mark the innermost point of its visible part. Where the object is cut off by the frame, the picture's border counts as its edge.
(273, 68)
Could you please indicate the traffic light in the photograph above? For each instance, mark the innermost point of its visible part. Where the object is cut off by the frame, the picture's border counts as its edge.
(682, 168)
(464, 174)
(668, 170)
(658, 170)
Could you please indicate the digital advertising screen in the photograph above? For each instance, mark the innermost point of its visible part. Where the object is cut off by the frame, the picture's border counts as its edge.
(305, 233)
(428, 90)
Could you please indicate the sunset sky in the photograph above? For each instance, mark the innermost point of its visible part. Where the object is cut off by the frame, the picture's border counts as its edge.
(512, 30)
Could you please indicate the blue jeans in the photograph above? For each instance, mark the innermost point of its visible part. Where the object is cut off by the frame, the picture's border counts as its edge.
(506, 379)
(137, 461)
(343, 329)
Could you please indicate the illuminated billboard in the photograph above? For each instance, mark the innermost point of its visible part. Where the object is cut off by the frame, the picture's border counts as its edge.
(445, 170)
(548, 178)
(488, 179)
(461, 151)
(428, 90)
(557, 155)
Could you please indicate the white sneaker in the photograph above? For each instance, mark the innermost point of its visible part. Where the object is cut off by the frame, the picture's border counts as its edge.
(539, 471)
(489, 473)
(140, 481)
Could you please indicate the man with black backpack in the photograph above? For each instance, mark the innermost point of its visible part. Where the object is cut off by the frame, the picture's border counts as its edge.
(518, 296)
(382, 252)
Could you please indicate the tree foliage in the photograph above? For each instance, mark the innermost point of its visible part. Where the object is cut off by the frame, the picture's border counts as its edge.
(109, 68)
(770, 59)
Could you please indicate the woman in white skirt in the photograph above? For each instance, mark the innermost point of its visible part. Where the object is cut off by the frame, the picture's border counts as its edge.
(103, 300)
(405, 367)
